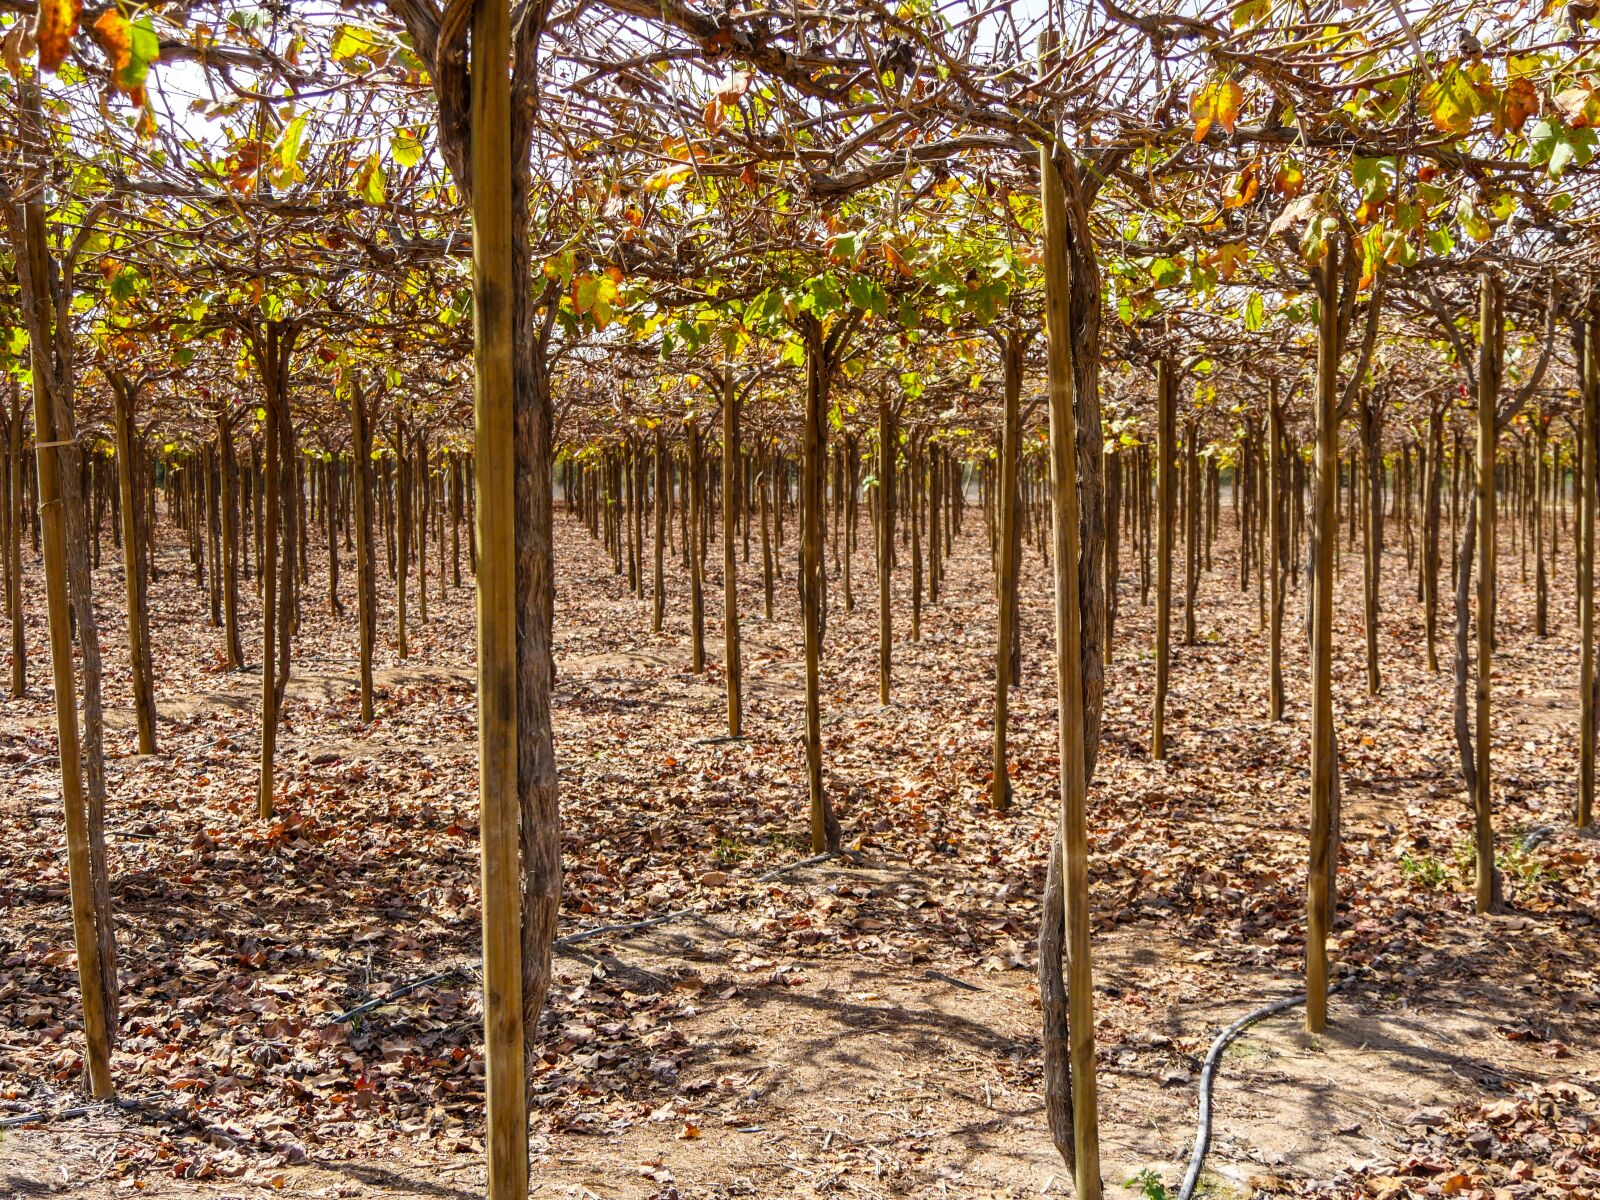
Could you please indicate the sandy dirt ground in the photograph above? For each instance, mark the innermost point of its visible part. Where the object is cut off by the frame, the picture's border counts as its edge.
(856, 1028)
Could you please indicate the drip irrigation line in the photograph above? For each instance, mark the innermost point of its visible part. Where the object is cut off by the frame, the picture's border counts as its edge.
(399, 993)
(583, 935)
(795, 866)
(1208, 1075)
(38, 1118)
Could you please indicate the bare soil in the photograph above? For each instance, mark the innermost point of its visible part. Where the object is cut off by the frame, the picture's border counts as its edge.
(861, 1028)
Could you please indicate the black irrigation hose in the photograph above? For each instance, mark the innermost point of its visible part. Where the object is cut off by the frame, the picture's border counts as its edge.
(583, 935)
(399, 993)
(40, 1117)
(1208, 1074)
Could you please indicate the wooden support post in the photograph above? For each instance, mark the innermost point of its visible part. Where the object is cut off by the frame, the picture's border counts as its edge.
(48, 453)
(233, 648)
(694, 539)
(1006, 577)
(1587, 481)
(494, 435)
(1325, 518)
(268, 562)
(1431, 518)
(1166, 431)
(403, 523)
(825, 833)
(1490, 337)
(1541, 481)
(366, 585)
(1073, 828)
(1192, 502)
(12, 548)
(886, 507)
(732, 492)
(1371, 513)
(129, 460)
(1274, 563)
(764, 490)
(658, 598)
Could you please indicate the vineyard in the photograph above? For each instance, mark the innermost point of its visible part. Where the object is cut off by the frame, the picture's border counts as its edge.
(643, 601)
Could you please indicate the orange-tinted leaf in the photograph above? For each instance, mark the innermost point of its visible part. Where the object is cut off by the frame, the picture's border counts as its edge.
(1228, 258)
(894, 259)
(1288, 180)
(1519, 102)
(1229, 96)
(1242, 188)
(114, 32)
(57, 23)
(1576, 105)
(667, 178)
(1203, 108)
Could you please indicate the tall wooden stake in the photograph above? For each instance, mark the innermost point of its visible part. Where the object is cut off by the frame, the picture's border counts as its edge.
(128, 456)
(233, 649)
(1489, 348)
(1166, 423)
(825, 833)
(269, 577)
(1591, 425)
(1192, 501)
(366, 588)
(886, 506)
(697, 556)
(658, 596)
(1069, 678)
(493, 283)
(53, 543)
(1325, 516)
(1010, 435)
(1274, 563)
(732, 495)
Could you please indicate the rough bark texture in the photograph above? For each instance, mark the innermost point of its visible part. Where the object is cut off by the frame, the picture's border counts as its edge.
(1084, 322)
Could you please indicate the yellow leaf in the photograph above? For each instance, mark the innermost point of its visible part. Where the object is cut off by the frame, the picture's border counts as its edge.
(1289, 180)
(667, 178)
(1215, 104)
(1202, 107)
(1453, 101)
(1228, 99)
